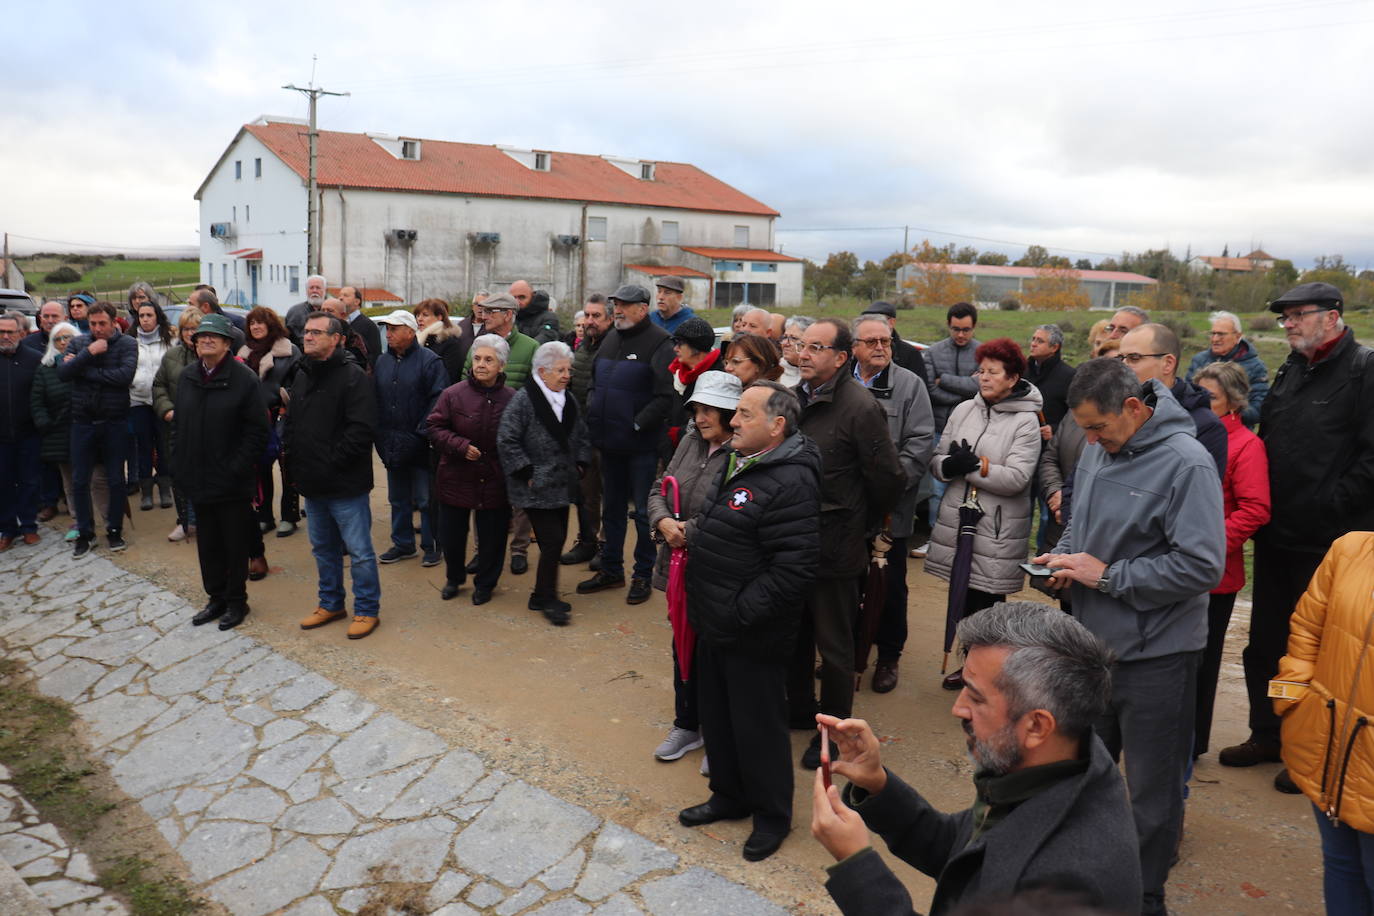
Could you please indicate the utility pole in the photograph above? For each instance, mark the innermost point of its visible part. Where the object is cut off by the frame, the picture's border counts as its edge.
(312, 226)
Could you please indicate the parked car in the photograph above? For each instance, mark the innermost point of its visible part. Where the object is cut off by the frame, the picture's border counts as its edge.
(173, 312)
(18, 300)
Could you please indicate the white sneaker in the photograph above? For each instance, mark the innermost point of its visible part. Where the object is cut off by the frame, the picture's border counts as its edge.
(178, 534)
(679, 742)
(705, 765)
(920, 552)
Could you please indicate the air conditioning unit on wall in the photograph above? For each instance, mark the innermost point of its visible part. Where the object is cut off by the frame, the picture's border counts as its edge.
(485, 238)
(221, 230)
(403, 236)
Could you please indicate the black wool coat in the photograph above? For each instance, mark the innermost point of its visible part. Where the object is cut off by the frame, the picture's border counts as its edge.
(221, 433)
(331, 424)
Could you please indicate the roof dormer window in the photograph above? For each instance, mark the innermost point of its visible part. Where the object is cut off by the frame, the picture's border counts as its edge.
(646, 171)
(541, 162)
(410, 149)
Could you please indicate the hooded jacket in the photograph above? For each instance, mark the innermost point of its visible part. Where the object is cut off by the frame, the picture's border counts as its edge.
(1153, 513)
(222, 431)
(911, 427)
(1327, 745)
(1007, 433)
(100, 383)
(1078, 830)
(1245, 356)
(407, 386)
(954, 367)
(754, 550)
(631, 392)
(469, 414)
(1210, 433)
(537, 320)
(861, 477)
(1318, 430)
(331, 423)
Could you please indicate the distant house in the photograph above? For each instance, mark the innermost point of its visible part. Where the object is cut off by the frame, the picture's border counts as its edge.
(992, 284)
(416, 218)
(1257, 260)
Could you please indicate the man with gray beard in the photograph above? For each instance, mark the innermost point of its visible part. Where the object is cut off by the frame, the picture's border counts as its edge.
(296, 314)
(1051, 810)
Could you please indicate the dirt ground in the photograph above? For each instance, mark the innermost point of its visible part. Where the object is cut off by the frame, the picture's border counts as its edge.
(578, 711)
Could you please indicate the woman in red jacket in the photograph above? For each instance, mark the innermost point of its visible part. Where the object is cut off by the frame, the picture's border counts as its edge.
(1245, 491)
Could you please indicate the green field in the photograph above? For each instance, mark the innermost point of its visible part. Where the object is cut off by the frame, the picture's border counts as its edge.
(113, 279)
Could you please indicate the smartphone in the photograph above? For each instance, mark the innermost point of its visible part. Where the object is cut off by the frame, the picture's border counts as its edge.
(825, 757)
(1038, 570)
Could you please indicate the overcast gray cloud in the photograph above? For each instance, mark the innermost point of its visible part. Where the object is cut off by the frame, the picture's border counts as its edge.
(1109, 127)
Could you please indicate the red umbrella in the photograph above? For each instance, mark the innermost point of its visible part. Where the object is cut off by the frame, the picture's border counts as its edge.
(684, 637)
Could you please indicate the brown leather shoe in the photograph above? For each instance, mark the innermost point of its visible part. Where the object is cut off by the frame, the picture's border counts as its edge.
(46, 513)
(884, 676)
(953, 681)
(257, 569)
(362, 626)
(1248, 753)
(6, 543)
(31, 538)
(321, 617)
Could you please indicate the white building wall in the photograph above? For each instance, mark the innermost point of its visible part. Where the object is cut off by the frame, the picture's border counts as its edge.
(268, 213)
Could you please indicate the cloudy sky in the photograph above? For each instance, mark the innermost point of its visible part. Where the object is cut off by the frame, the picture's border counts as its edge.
(1087, 127)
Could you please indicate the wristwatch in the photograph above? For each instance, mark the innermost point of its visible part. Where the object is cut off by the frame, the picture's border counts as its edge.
(1103, 584)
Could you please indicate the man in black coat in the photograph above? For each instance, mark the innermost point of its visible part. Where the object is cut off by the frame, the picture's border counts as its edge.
(628, 402)
(1318, 429)
(1048, 372)
(360, 324)
(221, 434)
(100, 367)
(19, 442)
(296, 314)
(754, 550)
(1051, 811)
(331, 425)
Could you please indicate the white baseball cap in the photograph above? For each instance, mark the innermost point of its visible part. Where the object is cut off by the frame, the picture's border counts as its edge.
(400, 316)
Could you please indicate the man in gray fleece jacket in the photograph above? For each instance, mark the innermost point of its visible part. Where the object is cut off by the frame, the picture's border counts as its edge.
(1144, 546)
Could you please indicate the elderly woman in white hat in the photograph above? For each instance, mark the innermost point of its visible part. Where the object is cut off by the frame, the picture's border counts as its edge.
(697, 464)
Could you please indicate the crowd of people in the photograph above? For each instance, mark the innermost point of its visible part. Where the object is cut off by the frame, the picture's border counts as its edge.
(765, 474)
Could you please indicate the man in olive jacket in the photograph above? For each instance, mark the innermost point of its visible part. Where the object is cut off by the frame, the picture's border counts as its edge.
(331, 424)
(861, 481)
(221, 434)
(755, 548)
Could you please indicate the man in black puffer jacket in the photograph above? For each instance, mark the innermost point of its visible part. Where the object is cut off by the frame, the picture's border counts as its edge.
(100, 367)
(628, 403)
(331, 424)
(754, 552)
(221, 434)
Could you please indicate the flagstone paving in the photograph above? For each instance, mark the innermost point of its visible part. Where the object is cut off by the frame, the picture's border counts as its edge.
(284, 792)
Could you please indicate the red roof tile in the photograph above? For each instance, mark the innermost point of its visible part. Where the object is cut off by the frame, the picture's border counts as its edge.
(1236, 264)
(356, 161)
(740, 254)
(670, 270)
(370, 294)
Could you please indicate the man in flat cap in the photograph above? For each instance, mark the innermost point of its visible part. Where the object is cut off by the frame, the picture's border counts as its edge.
(671, 311)
(628, 402)
(1318, 427)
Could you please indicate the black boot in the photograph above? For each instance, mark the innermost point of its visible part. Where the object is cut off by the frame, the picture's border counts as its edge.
(164, 491)
(146, 486)
(215, 608)
(234, 615)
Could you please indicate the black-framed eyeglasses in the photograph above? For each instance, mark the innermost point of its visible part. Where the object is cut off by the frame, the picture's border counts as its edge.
(1295, 317)
(1134, 358)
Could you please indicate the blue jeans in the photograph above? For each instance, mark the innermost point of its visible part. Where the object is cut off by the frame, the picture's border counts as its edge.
(407, 489)
(1348, 877)
(937, 489)
(19, 487)
(627, 476)
(148, 452)
(108, 443)
(333, 525)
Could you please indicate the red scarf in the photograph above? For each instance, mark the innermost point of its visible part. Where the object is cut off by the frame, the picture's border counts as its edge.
(686, 375)
(1325, 349)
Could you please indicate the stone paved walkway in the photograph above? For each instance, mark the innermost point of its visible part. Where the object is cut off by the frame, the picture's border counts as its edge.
(284, 792)
(60, 876)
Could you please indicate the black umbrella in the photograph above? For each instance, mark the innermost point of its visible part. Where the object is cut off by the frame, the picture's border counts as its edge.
(969, 514)
(874, 600)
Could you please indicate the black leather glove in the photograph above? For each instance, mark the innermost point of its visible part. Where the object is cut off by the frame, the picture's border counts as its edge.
(961, 460)
(526, 473)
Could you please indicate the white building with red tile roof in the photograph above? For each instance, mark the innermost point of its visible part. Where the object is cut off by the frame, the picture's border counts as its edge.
(417, 218)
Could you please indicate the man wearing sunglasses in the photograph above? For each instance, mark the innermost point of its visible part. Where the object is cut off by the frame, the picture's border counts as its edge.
(1152, 352)
(1318, 429)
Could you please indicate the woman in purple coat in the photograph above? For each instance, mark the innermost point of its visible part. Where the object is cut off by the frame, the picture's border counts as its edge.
(462, 428)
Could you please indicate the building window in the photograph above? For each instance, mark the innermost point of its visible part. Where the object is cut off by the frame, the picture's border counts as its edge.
(295, 279)
(759, 267)
(223, 278)
(408, 150)
(541, 162)
(729, 295)
(238, 169)
(247, 213)
(257, 168)
(741, 236)
(596, 228)
(669, 232)
(235, 217)
(729, 265)
(646, 171)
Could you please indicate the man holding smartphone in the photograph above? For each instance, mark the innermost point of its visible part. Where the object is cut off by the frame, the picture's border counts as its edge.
(1144, 546)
